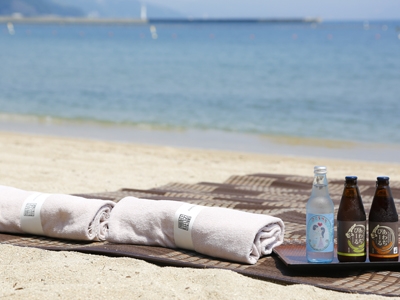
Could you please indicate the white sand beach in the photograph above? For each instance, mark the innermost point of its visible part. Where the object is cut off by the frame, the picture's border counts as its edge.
(72, 165)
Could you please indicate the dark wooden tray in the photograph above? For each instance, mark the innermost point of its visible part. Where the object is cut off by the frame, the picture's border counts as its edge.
(294, 256)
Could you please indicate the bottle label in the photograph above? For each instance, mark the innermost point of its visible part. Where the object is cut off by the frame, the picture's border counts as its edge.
(351, 238)
(320, 233)
(384, 240)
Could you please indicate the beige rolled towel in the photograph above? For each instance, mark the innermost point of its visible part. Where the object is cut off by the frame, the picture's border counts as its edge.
(53, 215)
(214, 231)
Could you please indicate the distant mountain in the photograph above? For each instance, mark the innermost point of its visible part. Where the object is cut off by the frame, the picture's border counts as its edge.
(30, 8)
(120, 9)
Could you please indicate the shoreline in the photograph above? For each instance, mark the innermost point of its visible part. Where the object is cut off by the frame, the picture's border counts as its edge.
(65, 164)
(206, 139)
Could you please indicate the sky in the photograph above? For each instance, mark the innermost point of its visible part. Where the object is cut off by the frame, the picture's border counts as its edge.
(325, 9)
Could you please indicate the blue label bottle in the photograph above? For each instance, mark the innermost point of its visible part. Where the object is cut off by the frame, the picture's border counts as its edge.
(320, 220)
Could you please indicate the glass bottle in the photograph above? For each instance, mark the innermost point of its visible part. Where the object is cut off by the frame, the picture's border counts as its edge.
(351, 224)
(319, 222)
(383, 224)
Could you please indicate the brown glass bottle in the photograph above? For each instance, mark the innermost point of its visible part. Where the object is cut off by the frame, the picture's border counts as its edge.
(351, 224)
(383, 224)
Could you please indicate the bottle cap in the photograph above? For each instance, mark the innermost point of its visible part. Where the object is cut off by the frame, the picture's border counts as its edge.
(320, 170)
(382, 178)
(351, 177)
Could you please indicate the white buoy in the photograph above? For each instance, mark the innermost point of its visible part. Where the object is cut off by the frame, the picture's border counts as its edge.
(153, 31)
(10, 28)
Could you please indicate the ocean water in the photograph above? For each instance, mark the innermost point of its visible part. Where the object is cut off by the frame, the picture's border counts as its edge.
(335, 81)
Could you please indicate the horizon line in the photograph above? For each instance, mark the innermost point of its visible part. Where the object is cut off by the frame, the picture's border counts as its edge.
(53, 19)
(89, 20)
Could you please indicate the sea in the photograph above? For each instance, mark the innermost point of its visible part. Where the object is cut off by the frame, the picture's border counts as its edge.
(233, 85)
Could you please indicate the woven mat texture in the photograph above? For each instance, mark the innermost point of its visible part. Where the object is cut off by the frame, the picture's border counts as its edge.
(283, 196)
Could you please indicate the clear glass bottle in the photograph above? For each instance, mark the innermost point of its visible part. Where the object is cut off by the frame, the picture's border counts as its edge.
(351, 224)
(320, 220)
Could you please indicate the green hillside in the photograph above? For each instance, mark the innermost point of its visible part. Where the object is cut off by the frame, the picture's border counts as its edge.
(30, 8)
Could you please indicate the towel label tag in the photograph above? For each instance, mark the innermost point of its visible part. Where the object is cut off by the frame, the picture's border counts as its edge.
(183, 223)
(30, 213)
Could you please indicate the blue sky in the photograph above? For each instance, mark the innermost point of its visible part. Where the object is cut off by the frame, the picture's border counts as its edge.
(326, 9)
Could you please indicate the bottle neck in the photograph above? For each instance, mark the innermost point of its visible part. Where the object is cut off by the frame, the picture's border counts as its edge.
(350, 188)
(382, 189)
(350, 183)
(382, 185)
(320, 185)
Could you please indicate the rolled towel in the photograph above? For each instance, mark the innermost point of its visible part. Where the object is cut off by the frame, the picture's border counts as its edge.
(214, 231)
(53, 215)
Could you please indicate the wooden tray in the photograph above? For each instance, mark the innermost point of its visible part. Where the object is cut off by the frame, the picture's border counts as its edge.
(294, 256)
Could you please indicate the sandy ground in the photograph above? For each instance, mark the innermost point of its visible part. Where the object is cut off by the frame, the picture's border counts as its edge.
(66, 165)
